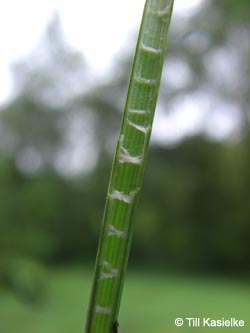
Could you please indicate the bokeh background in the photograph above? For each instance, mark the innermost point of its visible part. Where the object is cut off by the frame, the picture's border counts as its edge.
(58, 127)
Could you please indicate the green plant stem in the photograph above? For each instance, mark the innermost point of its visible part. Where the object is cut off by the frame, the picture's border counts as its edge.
(128, 167)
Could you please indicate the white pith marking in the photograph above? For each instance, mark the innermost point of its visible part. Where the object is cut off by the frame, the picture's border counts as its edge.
(142, 80)
(114, 231)
(165, 11)
(126, 157)
(135, 111)
(120, 196)
(150, 49)
(112, 272)
(102, 309)
(140, 128)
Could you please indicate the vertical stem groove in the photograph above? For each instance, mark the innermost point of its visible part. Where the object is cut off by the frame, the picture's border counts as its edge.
(128, 167)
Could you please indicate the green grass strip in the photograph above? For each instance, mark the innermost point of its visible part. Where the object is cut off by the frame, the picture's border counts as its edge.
(128, 167)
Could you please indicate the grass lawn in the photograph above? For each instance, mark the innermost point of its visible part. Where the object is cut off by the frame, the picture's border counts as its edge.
(150, 304)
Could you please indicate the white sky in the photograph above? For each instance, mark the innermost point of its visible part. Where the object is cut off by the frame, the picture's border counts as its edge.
(22, 23)
(100, 29)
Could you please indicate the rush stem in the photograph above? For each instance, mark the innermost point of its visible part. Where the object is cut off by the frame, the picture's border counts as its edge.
(128, 167)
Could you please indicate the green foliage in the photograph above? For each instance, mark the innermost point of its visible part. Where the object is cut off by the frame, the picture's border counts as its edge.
(202, 186)
(235, 9)
(193, 213)
(47, 221)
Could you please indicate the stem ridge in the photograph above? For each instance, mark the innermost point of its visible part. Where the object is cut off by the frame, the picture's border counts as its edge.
(128, 167)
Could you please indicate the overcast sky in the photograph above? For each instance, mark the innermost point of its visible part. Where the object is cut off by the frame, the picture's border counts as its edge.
(22, 23)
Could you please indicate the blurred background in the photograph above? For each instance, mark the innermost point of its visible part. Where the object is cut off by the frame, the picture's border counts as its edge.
(64, 75)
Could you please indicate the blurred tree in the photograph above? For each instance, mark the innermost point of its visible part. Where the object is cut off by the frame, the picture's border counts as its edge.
(54, 72)
(204, 224)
